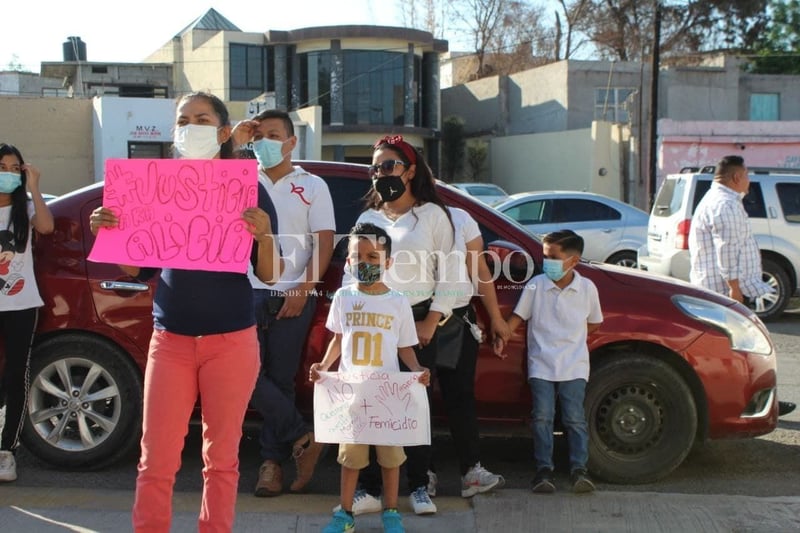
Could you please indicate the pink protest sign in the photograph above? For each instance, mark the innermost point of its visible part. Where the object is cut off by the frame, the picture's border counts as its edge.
(178, 213)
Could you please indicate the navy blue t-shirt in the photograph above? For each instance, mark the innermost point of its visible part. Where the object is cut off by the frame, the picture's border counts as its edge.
(197, 302)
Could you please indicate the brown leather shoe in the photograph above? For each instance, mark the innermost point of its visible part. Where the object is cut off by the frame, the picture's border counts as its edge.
(270, 479)
(306, 452)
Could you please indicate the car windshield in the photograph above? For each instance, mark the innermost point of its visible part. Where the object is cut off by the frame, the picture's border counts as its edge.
(517, 225)
(485, 190)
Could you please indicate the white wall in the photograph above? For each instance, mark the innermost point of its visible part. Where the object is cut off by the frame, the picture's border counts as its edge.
(116, 121)
(576, 160)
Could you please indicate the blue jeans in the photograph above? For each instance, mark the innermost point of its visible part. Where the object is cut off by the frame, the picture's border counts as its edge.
(570, 394)
(281, 343)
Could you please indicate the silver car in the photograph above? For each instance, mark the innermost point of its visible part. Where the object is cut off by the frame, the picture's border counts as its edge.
(612, 230)
(488, 193)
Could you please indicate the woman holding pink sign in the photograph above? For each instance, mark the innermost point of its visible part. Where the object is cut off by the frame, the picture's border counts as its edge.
(204, 343)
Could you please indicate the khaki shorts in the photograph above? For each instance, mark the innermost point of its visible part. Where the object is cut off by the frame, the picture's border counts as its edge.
(356, 456)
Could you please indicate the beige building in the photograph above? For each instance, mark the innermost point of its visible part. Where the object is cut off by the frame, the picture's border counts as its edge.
(368, 80)
(344, 86)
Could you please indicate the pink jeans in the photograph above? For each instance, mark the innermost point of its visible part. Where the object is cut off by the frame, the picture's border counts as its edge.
(222, 368)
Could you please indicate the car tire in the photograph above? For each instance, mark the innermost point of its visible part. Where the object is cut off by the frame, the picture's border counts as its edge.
(84, 404)
(772, 306)
(642, 419)
(626, 258)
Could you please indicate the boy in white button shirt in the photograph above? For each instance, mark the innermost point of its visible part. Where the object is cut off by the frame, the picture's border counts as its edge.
(562, 308)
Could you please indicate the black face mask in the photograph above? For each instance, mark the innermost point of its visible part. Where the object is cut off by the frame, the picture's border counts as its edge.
(389, 188)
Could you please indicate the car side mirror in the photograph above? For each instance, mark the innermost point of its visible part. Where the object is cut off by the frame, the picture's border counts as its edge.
(510, 261)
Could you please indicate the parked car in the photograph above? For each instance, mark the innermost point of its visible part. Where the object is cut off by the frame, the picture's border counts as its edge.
(488, 193)
(612, 230)
(672, 364)
(46, 197)
(773, 204)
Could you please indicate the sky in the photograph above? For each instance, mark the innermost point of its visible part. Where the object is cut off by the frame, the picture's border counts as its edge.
(34, 31)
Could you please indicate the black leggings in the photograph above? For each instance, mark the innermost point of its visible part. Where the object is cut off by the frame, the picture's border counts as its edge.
(18, 328)
(458, 392)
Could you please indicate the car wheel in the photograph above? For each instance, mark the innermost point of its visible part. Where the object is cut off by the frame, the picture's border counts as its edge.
(771, 306)
(642, 419)
(85, 403)
(626, 258)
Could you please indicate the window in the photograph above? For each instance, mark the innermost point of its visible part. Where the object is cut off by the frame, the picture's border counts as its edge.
(148, 150)
(133, 91)
(534, 212)
(765, 106)
(753, 202)
(789, 196)
(612, 104)
(249, 71)
(315, 82)
(373, 86)
(579, 210)
(55, 92)
(486, 190)
(670, 197)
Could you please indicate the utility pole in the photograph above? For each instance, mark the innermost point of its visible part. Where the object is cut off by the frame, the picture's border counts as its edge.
(654, 70)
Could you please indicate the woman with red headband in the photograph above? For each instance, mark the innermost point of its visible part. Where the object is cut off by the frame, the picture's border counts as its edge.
(404, 202)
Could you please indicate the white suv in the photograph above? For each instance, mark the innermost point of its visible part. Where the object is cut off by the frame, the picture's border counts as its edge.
(773, 204)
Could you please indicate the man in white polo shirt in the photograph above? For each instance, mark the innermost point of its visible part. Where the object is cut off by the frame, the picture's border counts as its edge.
(284, 310)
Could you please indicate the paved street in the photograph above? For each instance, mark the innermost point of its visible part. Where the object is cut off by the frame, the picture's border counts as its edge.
(736, 485)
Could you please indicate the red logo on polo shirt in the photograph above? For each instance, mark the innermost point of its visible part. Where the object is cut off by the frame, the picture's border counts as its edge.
(299, 192)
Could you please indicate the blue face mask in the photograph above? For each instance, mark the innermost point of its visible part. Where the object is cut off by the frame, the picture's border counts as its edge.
(9, 181)
(553, 268)
(269, 152)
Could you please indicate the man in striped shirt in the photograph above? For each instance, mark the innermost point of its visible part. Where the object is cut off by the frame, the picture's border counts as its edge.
(724, 254)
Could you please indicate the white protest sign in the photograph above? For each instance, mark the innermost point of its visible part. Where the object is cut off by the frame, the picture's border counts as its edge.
(387, 408)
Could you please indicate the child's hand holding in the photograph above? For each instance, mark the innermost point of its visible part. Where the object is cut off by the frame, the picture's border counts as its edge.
(313, 372)
(499, 344)
(425, 378)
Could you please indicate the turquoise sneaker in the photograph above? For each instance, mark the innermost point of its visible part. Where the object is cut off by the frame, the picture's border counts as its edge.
(392, 521)
(342, 523)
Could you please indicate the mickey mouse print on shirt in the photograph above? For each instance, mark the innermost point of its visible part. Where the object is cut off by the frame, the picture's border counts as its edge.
(11, 282)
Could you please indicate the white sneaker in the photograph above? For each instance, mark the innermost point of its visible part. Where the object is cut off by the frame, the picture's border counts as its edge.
(8, 466)
(478, 480)
(364, 503)
(421, 501)
(433, 481)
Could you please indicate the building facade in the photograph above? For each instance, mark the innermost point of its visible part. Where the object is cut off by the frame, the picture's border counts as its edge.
(368, 80)
(572, 95)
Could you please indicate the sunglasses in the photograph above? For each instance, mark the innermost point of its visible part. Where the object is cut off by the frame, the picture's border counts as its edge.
(385, 167)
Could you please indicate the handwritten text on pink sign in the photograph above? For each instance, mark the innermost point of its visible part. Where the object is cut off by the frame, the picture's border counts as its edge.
(178, 213)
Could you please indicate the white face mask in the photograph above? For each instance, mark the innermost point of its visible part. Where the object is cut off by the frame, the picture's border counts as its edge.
(194, 141)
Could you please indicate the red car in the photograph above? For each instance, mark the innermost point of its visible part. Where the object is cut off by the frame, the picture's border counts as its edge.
(671, 364)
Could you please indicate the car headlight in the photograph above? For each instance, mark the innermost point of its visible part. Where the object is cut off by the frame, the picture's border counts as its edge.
(744, 333)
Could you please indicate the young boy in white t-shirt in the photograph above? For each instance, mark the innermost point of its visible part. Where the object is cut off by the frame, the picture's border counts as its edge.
(562, 308)
(390, 334)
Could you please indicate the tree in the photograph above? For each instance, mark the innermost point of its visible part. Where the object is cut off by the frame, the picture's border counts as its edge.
(565, 37)
(778, 48)
(622, 29)
(453, 142)
(15, 64)
(477, 154)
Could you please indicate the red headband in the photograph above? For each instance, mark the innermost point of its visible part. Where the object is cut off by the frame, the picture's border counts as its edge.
(398, 142)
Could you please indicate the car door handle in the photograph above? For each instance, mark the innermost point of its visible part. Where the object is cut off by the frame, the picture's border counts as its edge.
(773, 213)
(608, 230)
(124, 286)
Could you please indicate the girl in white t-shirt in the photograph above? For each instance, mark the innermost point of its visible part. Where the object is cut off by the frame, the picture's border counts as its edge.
(19, 295)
